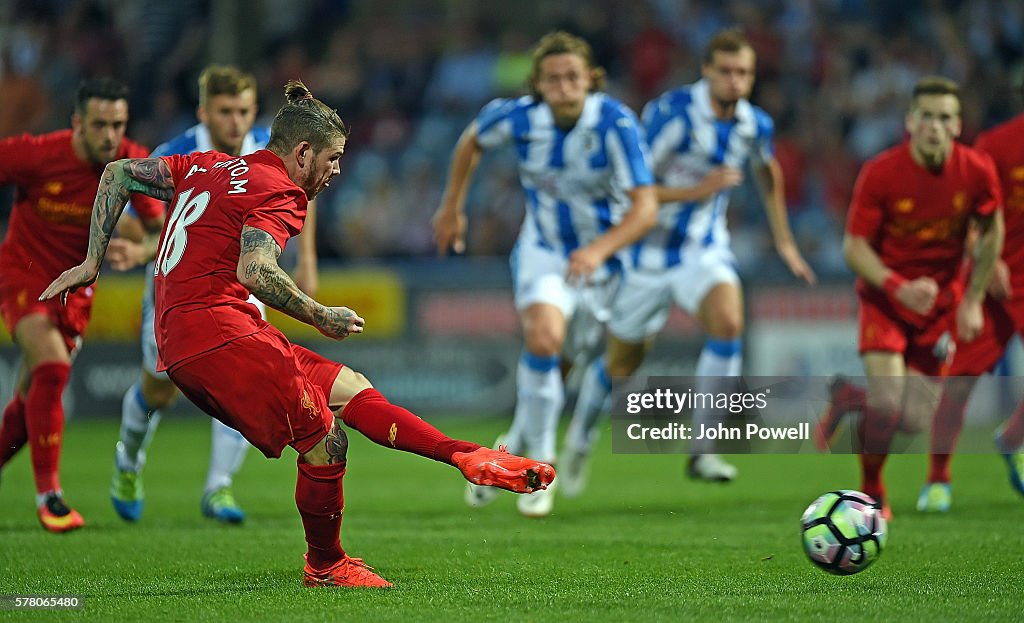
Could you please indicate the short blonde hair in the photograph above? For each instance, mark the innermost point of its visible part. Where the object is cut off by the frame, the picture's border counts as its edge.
(729, 41)
(935, 85)
(224, 80)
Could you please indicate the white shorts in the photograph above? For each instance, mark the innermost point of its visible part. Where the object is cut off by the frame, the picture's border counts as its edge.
(538, 275)
(149, 351)
(641, 307)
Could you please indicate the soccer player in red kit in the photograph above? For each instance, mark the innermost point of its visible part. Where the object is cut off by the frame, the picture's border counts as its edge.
(229, 221)
(1004, 316)
(905, 238)
(56, 176)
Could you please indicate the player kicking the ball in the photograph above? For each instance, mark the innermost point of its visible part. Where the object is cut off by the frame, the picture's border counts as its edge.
(229, 221)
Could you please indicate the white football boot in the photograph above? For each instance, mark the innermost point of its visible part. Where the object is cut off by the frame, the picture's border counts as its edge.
(710, 467)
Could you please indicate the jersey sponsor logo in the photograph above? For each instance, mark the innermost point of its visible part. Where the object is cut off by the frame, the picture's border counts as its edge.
(940, 229)
(63, 212)
(53, 188)
(904, 205)
(1017, 174)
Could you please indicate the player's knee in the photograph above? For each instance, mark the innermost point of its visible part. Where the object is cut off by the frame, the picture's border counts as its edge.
(356, 382)
(916, 418)
(331, 450)
(623, 365)
(884, 401)
(544, 342)
(727, 327)
(159, 394)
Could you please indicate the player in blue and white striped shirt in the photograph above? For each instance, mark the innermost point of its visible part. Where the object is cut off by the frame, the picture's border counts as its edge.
(227, 112)
(701, 136)
(589, 194)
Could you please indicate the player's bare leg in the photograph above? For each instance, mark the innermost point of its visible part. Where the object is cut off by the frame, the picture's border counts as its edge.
(721, 315)
(621, 360)
(49, 364)
(886, 381)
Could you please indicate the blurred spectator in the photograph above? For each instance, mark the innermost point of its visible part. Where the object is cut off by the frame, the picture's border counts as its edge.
(407, 76)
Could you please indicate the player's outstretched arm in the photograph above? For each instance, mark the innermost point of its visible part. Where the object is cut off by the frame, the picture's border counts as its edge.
(150, 176)
(450, 219)
(769, 182)
(259, 271)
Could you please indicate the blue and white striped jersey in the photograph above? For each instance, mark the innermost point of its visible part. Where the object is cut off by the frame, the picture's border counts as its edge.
(576, 182)
(197, 138)
(687, 141)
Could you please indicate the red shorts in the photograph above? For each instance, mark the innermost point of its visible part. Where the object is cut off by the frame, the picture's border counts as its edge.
(880, 331)
(273, 392)
(19, 297)
(1002, 320)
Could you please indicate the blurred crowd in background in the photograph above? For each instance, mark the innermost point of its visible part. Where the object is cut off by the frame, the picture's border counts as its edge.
(407, 75)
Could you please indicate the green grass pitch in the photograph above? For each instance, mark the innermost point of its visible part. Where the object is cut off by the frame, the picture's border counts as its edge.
(642, 543)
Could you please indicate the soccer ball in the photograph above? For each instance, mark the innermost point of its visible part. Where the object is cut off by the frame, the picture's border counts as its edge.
(843, 532)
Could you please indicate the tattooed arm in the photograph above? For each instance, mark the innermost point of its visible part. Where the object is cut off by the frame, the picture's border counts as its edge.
(150, 176)
(259, 271)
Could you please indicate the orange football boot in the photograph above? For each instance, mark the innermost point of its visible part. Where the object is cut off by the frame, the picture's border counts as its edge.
(56, 516)
(347, 572)
(498, 468)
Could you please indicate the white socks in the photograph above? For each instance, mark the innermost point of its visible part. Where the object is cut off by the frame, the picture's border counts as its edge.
(590, 406)
(138, 424)
(720, 358)
(539, 401)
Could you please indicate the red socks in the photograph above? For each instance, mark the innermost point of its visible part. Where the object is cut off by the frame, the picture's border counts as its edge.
(44, 419)
(13, 433)
(876, 432)
(850, 397)
(391, 426)
(946, 427)
(320, 498)
(871, 475)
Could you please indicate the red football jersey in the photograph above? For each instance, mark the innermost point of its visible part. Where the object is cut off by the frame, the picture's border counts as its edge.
(1005, 144)
(916, 219)
(200, 303)
(49, 227)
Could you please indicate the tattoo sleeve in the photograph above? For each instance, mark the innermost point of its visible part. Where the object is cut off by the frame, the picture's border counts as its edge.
(989, 247)
(259, 271)
(121, 178)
